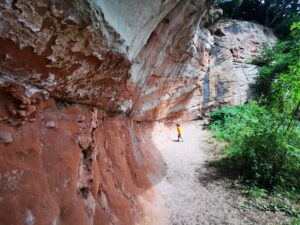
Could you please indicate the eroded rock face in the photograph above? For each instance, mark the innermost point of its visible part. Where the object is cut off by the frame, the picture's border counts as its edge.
(156, 65)
(76, 76)
(70, 50)
(72, 164)
(196, 71)
(171, 65)
(231, 74)
(58, 46)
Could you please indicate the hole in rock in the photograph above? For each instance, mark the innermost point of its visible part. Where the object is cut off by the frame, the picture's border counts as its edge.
(84, 192)
(87, 154)
(219, 33)
(166, 21)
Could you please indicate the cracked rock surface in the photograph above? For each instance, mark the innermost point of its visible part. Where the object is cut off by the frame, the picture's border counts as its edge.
(80, 171)
(80, 84)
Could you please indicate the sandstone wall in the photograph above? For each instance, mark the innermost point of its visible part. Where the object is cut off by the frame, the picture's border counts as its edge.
(197, 70)
(64, 163)
(60, 47)
(231, 75)
(157, 64)
(77, 78)
(70, 164)
(75, 51)
(170, 67)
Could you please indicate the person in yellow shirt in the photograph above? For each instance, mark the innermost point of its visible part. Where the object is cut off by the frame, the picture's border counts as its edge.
(179, 131)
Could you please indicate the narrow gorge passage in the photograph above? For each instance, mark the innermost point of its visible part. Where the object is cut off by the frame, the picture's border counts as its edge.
(191, 191)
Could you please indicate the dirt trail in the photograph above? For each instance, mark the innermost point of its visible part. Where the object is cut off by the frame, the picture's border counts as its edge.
(192, 193)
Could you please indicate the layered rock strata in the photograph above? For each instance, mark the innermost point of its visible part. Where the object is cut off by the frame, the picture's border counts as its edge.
(70, 164)
(200, 69)
(77, 78)
(152, 65)
(231, 72)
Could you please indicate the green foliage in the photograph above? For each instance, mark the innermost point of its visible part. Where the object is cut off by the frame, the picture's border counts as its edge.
(277, 14)
(258, 145)
(232, 123)
(266, 57)
(281, 28)
(267, 155)
(228, 6)
(295, 221)
(275, 206)
(272, 62)
(264, 136)
(286, 89)
(256, 192)
(265, 139)
(284, 201)
(295, 28)
(279, 74)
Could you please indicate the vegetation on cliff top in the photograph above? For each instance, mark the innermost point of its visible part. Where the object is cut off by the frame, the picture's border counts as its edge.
(276, 14)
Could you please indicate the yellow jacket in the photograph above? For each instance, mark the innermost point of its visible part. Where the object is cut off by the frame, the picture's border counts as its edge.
(179, 130)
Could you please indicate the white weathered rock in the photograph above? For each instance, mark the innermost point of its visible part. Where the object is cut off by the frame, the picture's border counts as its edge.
(6, 137)
(231, 73)
(151, 59)
(133, 21)
(51, 124)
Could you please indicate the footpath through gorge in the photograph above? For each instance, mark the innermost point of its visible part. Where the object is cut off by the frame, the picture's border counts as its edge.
(191, 191)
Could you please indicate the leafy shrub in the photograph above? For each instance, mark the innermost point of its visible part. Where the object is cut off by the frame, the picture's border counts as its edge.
(259, 146)
(279, 72)
(266, 155)
(233, 123)
(272, 62)
(295, 221)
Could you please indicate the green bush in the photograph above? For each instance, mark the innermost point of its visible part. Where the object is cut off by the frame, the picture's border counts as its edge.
(272, 62)
(266, 156)
(264, 136)
(295, 221)
(232, 123)
(279, 73)
(259, 146)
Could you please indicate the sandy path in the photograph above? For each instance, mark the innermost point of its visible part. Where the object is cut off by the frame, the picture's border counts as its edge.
(191, 193)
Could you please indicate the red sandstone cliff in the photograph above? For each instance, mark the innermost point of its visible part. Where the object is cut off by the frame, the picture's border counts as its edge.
(69, 164)
(75, 79)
